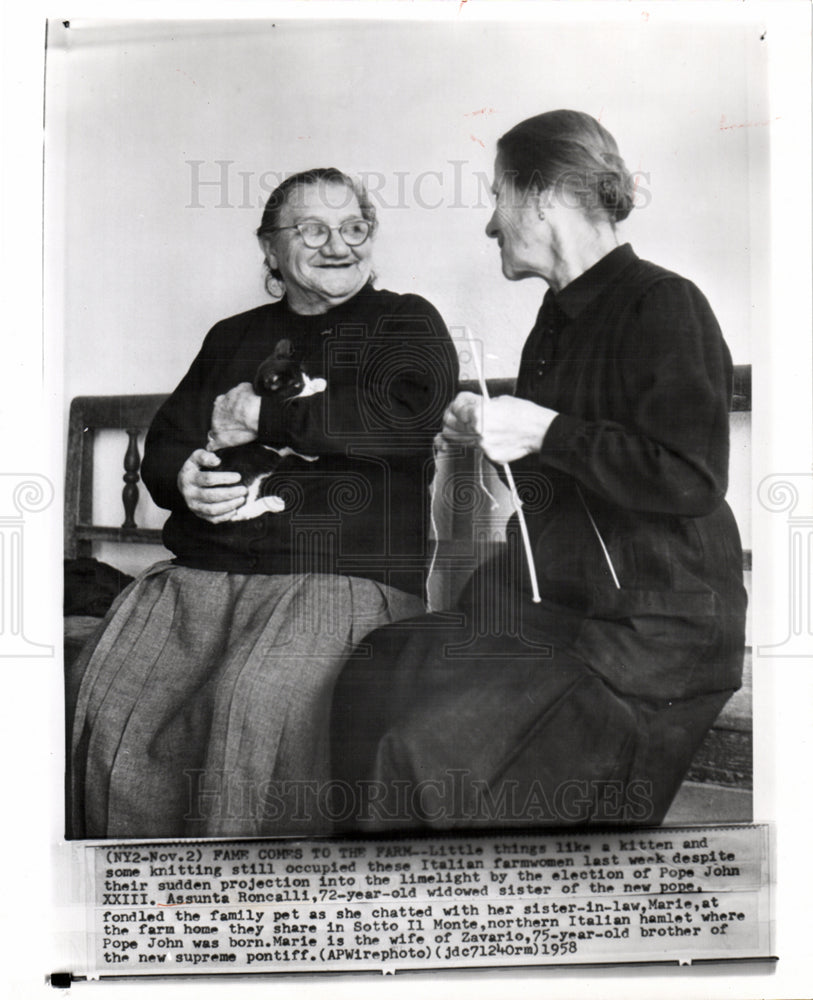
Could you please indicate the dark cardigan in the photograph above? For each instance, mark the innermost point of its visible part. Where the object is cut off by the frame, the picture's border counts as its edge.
(362, 508)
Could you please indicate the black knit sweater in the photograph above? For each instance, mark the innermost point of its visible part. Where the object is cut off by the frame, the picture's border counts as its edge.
(362, 508)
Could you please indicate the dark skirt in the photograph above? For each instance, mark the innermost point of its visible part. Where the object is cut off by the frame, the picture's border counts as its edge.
(204, 703)
(470, 719)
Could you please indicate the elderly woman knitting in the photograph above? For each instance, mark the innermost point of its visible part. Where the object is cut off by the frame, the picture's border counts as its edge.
(587, 704)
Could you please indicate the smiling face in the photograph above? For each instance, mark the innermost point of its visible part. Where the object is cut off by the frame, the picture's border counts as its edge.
(316, 280)
(525, 240)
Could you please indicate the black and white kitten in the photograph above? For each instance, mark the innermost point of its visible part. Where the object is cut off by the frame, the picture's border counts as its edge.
(280, 374)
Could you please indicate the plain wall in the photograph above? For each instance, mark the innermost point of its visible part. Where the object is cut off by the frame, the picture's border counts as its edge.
(144, 256)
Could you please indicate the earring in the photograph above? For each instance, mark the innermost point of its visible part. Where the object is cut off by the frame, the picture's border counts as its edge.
(541, 216)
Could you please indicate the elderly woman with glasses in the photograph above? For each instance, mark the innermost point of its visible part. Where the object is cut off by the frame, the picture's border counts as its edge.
(204, 704)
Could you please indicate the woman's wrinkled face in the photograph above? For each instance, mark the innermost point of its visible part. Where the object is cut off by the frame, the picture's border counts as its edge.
(317, 279)
(515, 224)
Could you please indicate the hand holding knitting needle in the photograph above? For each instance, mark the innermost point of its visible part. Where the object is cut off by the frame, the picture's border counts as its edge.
(505, 428)
(519, 429)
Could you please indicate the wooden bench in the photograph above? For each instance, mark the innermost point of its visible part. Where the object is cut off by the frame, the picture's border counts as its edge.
(724, 759)
(88, 416)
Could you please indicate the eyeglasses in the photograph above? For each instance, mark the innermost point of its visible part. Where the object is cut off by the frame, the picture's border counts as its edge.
(316, 234)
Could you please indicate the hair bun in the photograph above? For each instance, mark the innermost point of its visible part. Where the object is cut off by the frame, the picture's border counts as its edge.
(616, 192)
(573, 150)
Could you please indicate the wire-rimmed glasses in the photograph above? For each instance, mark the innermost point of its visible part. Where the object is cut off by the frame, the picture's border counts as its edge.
(314, 234)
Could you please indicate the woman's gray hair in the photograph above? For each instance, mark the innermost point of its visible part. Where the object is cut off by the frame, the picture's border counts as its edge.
(570, 152)
(274, 284)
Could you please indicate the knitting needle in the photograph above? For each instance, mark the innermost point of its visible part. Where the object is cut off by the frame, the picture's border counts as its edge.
(509, 478)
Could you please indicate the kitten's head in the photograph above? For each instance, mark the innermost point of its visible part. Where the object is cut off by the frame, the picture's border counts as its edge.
(280, 372)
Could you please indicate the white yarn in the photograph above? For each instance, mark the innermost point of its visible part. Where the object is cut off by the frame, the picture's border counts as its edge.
(479, 459)
(433, 489)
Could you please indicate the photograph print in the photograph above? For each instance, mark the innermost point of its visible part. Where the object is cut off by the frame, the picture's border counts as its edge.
(407, 392)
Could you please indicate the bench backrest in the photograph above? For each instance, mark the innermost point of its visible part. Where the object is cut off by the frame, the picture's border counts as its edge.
(133, 414)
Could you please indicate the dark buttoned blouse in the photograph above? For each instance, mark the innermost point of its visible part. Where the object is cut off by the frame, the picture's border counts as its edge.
(631, 358)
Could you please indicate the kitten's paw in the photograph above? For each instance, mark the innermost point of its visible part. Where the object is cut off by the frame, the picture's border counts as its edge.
(272, 504)
(254, 508)
(312, 386)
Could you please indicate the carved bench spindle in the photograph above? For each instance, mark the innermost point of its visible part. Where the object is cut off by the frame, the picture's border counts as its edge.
(132, 464)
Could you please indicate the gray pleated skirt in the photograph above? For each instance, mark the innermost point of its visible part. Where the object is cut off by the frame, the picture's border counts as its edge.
(204, 703)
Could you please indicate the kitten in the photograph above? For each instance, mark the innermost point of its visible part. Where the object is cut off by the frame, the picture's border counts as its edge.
(280, 374)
